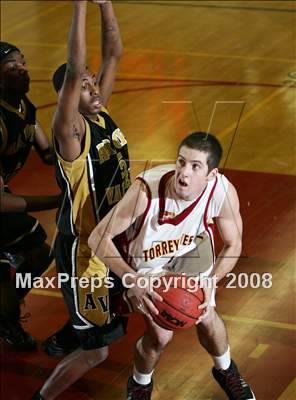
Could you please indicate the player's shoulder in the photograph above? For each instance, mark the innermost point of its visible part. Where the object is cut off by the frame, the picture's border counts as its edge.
(157, 172)
(222, 180)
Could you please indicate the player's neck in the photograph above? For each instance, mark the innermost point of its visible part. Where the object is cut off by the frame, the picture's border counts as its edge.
(12, 99)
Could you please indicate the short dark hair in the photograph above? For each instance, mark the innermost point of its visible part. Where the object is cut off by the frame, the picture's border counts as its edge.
(7, 48)
(207, 143)
(59, 76)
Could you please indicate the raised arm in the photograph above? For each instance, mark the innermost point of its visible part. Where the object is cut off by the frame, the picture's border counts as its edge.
(68, 125)
(111, 49)
(230, 227)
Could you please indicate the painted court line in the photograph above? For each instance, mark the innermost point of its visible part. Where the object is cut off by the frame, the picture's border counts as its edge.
(230, 318)
(252, 111)
(259, 350)
(290, 392)
(46, 292)
(260, 322)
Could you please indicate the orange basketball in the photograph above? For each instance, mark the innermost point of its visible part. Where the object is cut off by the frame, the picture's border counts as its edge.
(179, 308)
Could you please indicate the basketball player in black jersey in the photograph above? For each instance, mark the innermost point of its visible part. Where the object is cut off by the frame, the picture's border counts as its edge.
(22, 239)
(93, 173)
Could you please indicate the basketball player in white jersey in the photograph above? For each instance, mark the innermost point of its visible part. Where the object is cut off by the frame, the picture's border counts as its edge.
(161, 215)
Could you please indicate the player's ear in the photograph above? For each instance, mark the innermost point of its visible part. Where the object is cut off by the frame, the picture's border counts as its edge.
(212, 174)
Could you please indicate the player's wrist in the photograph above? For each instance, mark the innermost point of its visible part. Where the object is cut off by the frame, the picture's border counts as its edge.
(129, 279)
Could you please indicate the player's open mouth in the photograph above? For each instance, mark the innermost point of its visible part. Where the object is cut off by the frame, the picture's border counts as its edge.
(96, 102)
(182, 183)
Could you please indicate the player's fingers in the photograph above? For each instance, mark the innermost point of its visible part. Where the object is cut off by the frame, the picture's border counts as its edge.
(203, 305)
(202, 316)
(155, 296)
(150, 306)
(144, 310)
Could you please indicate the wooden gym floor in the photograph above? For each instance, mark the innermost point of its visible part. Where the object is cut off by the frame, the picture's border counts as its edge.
(226, 66)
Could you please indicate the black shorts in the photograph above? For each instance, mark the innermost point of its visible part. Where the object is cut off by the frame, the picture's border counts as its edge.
(88, 306)
(19, 232)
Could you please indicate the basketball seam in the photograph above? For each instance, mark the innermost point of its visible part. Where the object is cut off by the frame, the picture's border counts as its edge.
(181, 312)
(187, 291)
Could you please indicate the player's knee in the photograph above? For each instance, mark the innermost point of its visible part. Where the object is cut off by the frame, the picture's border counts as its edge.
(209, 321)
(160, 341)
(96, 356)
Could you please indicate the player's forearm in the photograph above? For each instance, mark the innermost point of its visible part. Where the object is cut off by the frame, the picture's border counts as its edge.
(13, 203)
(226, 260)
(106, 251)
(111, 40)
(77, 42)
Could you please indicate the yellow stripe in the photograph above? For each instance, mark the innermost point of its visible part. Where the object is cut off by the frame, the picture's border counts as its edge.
(259, 350)
(46, 292)
(290, 392)
(25, 234)
(259, 322)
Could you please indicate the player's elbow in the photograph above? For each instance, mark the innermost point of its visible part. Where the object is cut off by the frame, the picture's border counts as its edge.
(238, 247)
(234, 248)
(93, 241)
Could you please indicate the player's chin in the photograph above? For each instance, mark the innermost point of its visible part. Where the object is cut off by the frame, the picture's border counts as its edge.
(182, 192)
(94, 109)
(23, 87)
(98, 108)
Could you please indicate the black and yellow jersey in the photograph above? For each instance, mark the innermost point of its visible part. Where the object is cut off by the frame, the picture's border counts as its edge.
(17, 134)
(94, 182)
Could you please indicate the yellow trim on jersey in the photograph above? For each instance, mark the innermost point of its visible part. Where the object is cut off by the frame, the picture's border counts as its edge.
(100, 120)
(3, 134)
(88, 265)
(105, 110)
(19, 238)
(76, 175)
(21, 114)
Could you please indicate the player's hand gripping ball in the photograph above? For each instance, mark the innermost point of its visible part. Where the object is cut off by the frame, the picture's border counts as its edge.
(179, 308)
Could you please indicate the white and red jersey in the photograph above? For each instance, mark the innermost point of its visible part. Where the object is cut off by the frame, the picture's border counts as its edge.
(169, 226)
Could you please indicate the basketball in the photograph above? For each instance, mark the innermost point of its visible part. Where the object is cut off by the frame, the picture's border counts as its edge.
(179, 308)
